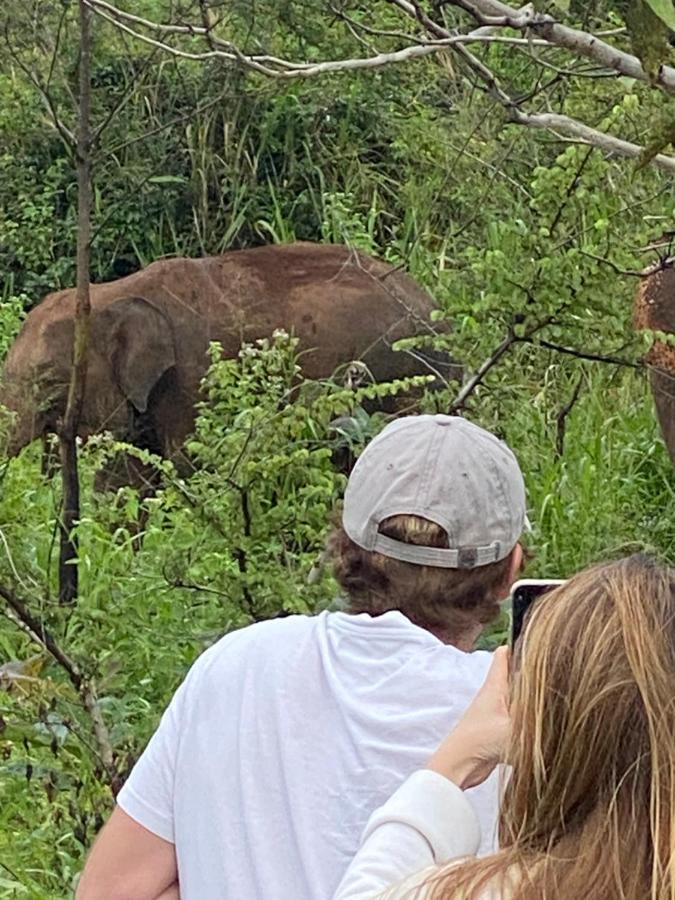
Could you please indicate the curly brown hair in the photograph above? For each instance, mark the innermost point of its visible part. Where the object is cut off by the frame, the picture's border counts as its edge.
(437, 599)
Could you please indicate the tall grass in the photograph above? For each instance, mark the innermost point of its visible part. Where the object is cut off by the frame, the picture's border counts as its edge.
(613, 489)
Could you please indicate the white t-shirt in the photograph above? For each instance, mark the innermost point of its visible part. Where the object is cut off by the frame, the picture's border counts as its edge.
(283, 739)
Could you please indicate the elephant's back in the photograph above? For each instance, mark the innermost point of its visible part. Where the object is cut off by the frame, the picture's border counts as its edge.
(339, 303)
(280, 270)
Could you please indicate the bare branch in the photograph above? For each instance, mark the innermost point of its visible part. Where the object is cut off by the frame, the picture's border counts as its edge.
(192, 114)
(580, 43)
(556, 122)
(66, 134)
(42, 636)
(279, 68)
(477, 379)
(584, 133)
(583, 354)
(489, 13)
(563, 413)
(127, 94)
(630, 273)
(55, 49)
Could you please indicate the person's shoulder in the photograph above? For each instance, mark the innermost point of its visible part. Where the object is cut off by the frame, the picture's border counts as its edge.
(260, 638)
(469, 668)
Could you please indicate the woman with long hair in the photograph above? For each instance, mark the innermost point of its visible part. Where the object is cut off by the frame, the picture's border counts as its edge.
(584, 714)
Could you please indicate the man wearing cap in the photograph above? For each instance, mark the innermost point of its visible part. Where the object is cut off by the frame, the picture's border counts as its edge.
(286, 735)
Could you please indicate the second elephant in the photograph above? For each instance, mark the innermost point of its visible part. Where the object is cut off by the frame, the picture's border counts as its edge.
(655, 311)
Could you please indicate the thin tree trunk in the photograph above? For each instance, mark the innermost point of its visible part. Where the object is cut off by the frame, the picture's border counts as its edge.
(68, 575)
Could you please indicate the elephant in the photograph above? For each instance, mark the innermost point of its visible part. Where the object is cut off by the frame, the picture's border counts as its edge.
(655, 311)
(150, 332)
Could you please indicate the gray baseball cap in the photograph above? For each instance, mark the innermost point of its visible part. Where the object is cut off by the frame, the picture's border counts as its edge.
(447, 470)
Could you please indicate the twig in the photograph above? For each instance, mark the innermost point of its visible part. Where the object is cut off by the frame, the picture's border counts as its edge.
(66, 134)
(193, 114)
(561, 418)
(631, 273)
(179, 584)
(57, 44)
(583, 354)
(492, 360)
(570, 190)
(11, 872)
(123, 100)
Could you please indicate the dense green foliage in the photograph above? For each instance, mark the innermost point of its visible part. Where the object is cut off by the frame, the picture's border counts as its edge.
(515, 233)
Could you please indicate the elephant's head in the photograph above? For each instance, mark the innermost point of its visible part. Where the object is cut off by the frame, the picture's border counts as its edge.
(655, 311)
(130, 348)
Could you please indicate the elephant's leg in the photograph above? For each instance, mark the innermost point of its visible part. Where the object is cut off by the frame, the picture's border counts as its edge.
(663, 388)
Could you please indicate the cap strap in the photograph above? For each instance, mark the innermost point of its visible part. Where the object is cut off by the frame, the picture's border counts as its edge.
(462, 558)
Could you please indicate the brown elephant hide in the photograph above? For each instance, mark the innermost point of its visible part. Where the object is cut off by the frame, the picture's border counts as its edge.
(151, 330)
(655, 311)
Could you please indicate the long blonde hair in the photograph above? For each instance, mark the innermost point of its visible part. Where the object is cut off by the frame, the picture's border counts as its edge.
(589, 810)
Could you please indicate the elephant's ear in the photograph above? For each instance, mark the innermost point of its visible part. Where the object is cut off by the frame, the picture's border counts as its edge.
(141, 345)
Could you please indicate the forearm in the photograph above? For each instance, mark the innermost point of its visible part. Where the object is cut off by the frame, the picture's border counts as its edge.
(426, 823)
(128, 862)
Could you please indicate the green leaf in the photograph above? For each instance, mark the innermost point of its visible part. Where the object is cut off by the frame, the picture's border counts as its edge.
(15, 886)
(166, 179)
(665, 10)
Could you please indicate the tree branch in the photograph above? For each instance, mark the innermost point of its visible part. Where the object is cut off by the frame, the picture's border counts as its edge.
(42, 636)
(561, 418)
(548, 121)
(582, 354)
(489, 13)
(629, 273)
(477, 379)
(66, 134)
(585, 134)
(580, 43)
(68, 572)
(280, 68)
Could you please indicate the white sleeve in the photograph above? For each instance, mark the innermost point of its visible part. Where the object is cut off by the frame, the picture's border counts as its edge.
(147, 795)
(426, 823)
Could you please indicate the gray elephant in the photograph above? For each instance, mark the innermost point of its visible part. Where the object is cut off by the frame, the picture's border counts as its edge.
(150, 333)
(655, 311)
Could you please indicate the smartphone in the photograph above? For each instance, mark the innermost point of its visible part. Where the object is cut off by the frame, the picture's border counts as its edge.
(523, 595)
